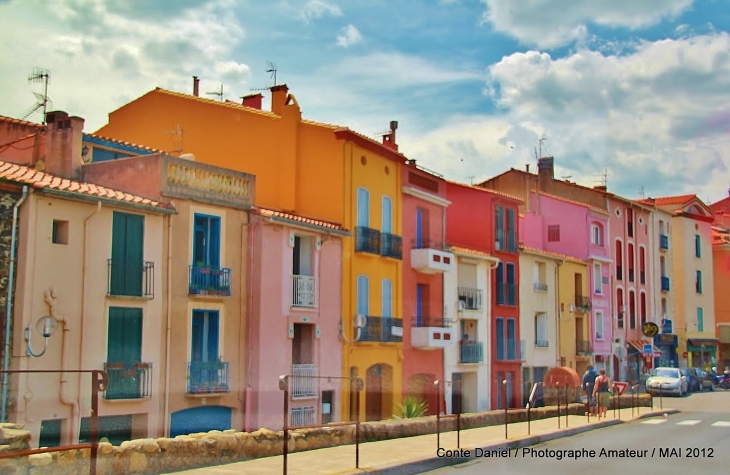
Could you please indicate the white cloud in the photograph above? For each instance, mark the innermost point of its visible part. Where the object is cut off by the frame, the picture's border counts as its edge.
(319, 8)
(350, 36)
(553, 23)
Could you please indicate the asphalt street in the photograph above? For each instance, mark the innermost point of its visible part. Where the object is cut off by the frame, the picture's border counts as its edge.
(696, 441)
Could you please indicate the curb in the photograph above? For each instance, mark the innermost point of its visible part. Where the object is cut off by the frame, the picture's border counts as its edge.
(433, 463)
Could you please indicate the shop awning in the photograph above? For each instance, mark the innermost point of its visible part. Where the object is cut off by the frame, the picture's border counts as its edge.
(639, 345)
(703, 341)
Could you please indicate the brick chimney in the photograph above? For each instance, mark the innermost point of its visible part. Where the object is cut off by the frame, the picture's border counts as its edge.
(196, 86)
(279, 95)
(253, 100)
(545, 172)
(62, 155)
(389, 138)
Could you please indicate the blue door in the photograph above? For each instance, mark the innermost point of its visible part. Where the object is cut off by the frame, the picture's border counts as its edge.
(200, 419)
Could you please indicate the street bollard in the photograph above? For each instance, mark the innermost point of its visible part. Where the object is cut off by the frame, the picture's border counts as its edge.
(504, 386)
(615, 401)
(632, 402)
(437, 386)
(567, 405)
(661, 402)
(557, 390)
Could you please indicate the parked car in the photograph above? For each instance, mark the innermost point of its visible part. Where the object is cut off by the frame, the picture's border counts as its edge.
(706, 379)
(693, 381)
(666, 380)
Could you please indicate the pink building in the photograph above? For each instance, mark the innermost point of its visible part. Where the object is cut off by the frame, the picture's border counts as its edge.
(295, 305)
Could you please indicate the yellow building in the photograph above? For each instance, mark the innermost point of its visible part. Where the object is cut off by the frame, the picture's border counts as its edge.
(573, 319)
(314, 170)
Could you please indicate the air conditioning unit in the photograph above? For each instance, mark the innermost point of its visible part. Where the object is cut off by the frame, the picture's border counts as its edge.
(360, 321)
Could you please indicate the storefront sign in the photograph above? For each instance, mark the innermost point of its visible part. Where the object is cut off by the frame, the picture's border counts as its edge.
(650, 329)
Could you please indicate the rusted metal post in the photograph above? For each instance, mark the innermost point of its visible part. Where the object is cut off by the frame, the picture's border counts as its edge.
(99, 382)
(567, 405)
(504, 391)
(615, 401)
(437, 386)
(359, 386)
(557, 390)
(284, 386)
(661, 401)
(458, 414)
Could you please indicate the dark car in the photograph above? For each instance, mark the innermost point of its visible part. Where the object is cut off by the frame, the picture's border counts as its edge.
(693, 380)
(707, 381)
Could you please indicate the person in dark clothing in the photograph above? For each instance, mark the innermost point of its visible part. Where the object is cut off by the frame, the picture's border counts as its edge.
(589, 379)
(600, 391)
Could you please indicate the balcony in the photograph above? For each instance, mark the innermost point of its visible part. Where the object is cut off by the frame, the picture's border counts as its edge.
(665, 284)
(391, 246)
(471, 352)
(506, 294)
(208, 377)
(430, 333)
(367, 240)
(540, 287)
(541, 343)
(128, 380)
(304, 291)
(663, 242)
(583, 348)
(304, 380)
(510, 350)
(582, 304)
(130, 279)
(384, 330)
(207, 280)
(470, 299)
(429, 257)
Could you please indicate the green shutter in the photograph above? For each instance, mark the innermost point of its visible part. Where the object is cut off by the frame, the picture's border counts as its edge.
(124, 345)
(127, 254)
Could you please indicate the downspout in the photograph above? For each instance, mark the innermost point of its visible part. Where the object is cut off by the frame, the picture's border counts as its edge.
(249, 316)
(168, 331)
(9, 303)
(75, 423)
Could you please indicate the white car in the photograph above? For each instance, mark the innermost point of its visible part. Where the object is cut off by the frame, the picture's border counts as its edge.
(666, 380)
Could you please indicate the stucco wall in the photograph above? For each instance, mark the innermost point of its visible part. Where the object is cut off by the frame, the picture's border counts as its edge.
(533, 302)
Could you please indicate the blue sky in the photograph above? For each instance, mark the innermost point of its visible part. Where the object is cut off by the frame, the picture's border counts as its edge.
(637, 88)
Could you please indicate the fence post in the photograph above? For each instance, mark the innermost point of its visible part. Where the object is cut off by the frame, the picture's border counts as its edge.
(458, 414)
(567, 405)
(557, 390)
(661, 402)
(504, 391)
(359, 386)
(437, 385)
(615, 402)
(638, 401)
(284, 386)
(99, 382)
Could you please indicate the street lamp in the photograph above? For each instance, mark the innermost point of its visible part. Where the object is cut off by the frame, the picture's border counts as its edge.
(46, 326)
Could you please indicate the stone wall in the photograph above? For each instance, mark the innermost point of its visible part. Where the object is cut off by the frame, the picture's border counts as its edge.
(7, 202)
(154, 456)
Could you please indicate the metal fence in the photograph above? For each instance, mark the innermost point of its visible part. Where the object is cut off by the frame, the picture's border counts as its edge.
(304, 382)
(304, 291)
(128, 380)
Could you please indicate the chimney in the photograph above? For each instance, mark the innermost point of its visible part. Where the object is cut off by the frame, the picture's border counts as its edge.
(527, 168)
(389, 139)
(545, 170)
(600, 188)
(196, 86)
(279, 95)
(253, 100)
(63, 145)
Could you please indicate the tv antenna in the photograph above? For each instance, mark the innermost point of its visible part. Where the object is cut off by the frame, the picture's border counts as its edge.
(216, 93)
(541, 140)
(603, 178)
(641, 191)
(272, 71)
(471, 179)
(177, 138)
(42, 100)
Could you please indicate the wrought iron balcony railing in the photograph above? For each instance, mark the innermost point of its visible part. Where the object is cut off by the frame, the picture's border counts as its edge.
(424, 321)
(128, 380)
(391, 246)
(304, 380)
(426, 243)
(207, 280)
(367, 240)
(582, 304)
(540, 287)
(583, 348)
(382, 329)
(471, 298)
(304, 291)
(208, 377)
(541, 343)
(471, 352)
(131, 279)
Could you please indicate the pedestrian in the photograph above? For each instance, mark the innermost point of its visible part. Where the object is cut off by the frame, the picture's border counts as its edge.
(600, 390)
(589, 379)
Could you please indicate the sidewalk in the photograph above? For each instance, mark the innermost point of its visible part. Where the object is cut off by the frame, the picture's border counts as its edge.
(413, 455)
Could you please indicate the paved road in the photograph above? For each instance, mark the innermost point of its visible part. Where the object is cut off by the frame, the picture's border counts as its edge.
(705, 401)
(700, 438)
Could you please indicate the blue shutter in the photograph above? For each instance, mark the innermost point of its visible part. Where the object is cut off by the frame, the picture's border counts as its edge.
(363, 208)
(196, 353)
(499, 338)
(700, 320)
(215, 242)
(511, 234)
(499, 228)
(419, 229)
(362, 295)
(500, 283)
(213, 332)
(511, 287)
(419, 304)
(387, 225)
(511, 342)
(387, 303)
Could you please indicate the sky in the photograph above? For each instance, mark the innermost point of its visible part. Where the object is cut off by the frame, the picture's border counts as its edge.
(633, 92)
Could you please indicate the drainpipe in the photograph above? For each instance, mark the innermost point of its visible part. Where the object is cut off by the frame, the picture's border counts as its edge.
(168, 331)
(9, 304)
(50, 299)
(249, 316)
(75, 422)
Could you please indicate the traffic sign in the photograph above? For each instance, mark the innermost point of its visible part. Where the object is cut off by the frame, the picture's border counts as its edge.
(621, 387)
(648, 349)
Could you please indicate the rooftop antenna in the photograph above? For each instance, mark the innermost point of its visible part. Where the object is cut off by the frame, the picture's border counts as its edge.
(42, 100)
(177, 138)
(216, 93)
(641, 191)
(603, 178)
(541, 140)
(471, 179)
(272, 71)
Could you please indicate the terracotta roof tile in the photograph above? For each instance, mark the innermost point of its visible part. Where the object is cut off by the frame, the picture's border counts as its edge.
(122, 142)
(669, 200)
(466, 250)
(487, 190)
(321, 124)
(556, 255)
(269, 213)
(205, 100)
(44, 181)
(577, 203)
(25, 123)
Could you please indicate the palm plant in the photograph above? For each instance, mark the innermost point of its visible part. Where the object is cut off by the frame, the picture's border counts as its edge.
(411, 407)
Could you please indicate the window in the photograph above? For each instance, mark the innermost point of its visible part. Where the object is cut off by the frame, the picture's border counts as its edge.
(387, 300)
(631, 262)
(499, 228)
(499, 337)
(501, 290)
(103, 155)
(513, 351)
(422, 227)
(124, 350)
(642, 265)
(303, 282)
(597, 279)
(206, 241)
(554, 233)
(630, 222)
(363, 295)
(540, 277)
(422, 299)
(596, 235)
(302, 352)
(511, 285)
(632, 310)
(642, 308)
(511, 231)
(664, 308)
(700, 320)
(698, 251)
(60, 232)
(698, 282)
(620, 307)
(541, 338)
(127, 254)
(619, 261)
(599, 325)
(387, 217)
(663, 266)
(205, 336)
(363, 208)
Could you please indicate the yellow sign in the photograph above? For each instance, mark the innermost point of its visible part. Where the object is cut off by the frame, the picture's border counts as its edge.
(206, 180)
(650, 329)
